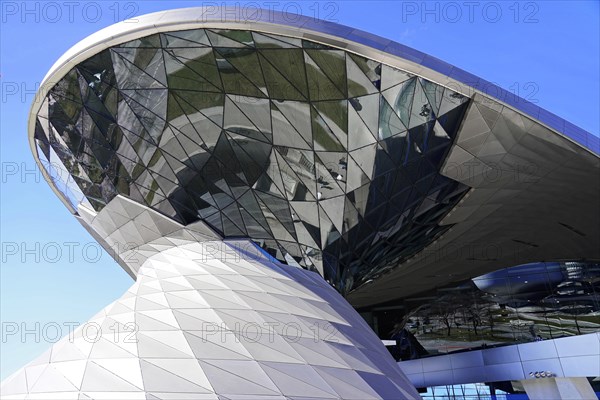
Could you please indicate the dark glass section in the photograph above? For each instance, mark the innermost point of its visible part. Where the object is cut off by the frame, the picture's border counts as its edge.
(329, 160)
(521, 304)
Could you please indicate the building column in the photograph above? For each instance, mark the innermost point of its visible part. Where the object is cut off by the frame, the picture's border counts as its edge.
(216, 320)
(559, 389)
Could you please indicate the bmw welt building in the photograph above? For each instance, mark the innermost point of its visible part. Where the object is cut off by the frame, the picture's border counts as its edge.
(292, 196)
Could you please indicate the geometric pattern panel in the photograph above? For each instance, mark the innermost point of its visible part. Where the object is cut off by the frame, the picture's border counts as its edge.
(219, 321)
(494, 137)
(327, 159)
(133, 232)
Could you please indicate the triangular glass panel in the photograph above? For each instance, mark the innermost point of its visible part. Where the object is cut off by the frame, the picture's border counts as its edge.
(180, 76)
(358, 133)
(392, 77)
(383, 163)
(334, 208)
(450, 101)
(396, 147)
(298, 172)
(273, 171)
(234, 82)
(400, 98)
(320, 86)
(236, 121)
(370, 68)
(215, 222)
(208, 105)
(201, 60)
(230, 228)
(280, 42)
(280, 231)
(280, 209)
(254, 228)
(329, 233)
(333, 64)
(331, 173)
(365, 159)
(438, 136)
(389, 123)
(98, 71)
(421, 111)
(296, 114)
(367, 108)
(451, 120)
(245, 61)
(251, 156)
(258, 111)
(356, 176)
(190, 38)
(147, 41)
(69, 89)
(150, 108)
(148, 74)
(284, 73)
(434, 94)
(335, 115)
(323, 137)
(420, 135)
(307, 234)
(359, 84)
(225, 38)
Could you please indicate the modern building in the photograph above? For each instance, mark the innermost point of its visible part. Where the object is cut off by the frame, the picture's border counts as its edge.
(265, 179)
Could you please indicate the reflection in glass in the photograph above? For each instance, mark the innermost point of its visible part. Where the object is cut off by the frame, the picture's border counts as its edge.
(327, 159)
(520, 304)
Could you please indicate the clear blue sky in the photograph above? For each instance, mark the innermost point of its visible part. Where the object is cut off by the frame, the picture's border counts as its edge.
(548, 51)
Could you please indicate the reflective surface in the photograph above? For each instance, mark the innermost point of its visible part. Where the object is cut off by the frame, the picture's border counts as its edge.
(527, 303)
(235, 325)
(477, 391)
(328, 160)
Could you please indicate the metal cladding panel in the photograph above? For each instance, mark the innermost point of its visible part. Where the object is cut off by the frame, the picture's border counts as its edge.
(217, 320)
(506, 363)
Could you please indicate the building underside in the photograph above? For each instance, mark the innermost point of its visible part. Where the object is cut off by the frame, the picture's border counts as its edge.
(383, 170)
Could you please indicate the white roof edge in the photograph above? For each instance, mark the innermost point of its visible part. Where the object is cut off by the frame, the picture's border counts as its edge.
(232, 18)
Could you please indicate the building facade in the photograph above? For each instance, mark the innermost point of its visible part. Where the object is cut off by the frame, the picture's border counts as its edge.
(267, 178)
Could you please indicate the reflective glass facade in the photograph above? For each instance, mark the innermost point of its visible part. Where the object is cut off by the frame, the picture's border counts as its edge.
(327, 159)
(478, 391)
(527, 303)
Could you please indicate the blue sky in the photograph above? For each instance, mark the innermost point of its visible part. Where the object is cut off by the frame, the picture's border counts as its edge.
(51, 270)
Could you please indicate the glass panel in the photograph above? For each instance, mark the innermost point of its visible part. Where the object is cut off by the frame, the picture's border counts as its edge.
(329, 159)
(520, 304)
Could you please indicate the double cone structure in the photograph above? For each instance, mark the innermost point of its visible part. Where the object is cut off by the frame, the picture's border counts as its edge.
(210, 151)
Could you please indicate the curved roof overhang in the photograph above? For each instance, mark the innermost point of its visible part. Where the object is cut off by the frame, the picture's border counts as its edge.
(525, 222)
(332, 34)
